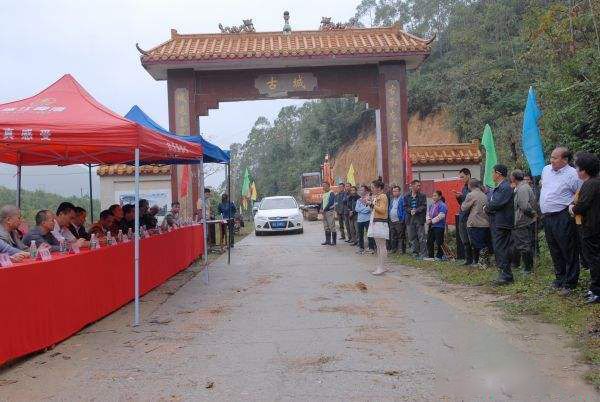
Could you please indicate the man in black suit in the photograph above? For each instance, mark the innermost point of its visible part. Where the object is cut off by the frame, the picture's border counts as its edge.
(77, 226)
(501, 209)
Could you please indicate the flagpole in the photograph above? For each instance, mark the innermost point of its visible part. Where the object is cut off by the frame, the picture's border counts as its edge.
(229, 216)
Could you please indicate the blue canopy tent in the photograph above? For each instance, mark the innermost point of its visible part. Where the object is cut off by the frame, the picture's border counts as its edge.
(210, 154)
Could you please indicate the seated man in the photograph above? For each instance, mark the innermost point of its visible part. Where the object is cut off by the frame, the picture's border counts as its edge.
(78, 224)
(146, 218)
(117, 212)
(10, 220)
(172, 217)
(102, 227)
(15, 254)
(128, 221)
(42, 232)
(62, 222)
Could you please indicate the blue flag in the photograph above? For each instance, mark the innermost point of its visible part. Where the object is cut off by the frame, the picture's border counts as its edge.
(532, 141)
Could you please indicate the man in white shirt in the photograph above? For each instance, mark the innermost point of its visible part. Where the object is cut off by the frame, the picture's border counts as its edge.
(64, 216)
(560, 182)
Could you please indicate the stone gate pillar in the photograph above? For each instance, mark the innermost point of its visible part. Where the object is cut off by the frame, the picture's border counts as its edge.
(183, 120)
(393, 103)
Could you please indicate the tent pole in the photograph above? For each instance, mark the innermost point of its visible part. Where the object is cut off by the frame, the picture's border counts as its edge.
(91, 197)
(19, 186)
(203, 218)
(136, 314)
(229, 216)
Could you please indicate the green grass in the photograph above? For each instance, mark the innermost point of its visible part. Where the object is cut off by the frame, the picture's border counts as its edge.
(533, 296)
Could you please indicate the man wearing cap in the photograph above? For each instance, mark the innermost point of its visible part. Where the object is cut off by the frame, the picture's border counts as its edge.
(501, 209)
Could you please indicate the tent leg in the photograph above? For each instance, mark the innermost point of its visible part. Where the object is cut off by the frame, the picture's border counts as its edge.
(228, 221)
(91, 196)
(136, 261)
(19, 186)
(203, 218)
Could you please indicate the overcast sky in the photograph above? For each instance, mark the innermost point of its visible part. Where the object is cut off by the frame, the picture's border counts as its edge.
(40, 40)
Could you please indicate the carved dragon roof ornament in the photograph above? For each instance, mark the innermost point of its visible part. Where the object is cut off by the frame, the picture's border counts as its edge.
(246, 27)
(327, 25)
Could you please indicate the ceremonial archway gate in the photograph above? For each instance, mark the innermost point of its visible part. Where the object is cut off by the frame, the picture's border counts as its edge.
(240, 64)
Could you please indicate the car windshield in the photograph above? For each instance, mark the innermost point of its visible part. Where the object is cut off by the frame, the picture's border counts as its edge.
(278, 203)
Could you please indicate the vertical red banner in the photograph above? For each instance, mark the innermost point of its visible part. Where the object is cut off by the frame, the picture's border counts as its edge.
(185, 181)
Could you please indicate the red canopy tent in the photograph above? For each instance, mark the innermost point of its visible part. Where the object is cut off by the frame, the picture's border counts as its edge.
(64, 125)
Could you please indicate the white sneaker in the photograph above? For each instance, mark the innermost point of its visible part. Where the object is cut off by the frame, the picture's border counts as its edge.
(378, 271)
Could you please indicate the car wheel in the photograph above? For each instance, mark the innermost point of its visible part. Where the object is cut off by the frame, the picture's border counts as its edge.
(300, 231)
(256, 232)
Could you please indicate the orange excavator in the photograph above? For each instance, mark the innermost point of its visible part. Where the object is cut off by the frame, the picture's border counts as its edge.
(312, 189)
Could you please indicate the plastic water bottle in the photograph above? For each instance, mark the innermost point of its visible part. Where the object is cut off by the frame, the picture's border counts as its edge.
(93, 242)
(62, 245)
(33, 251)
(120, 236)
(130, 234)
(109, 239)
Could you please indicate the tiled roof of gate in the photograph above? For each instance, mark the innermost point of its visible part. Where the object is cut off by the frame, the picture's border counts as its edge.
(445, 154)
(387, 41)
(127, 170)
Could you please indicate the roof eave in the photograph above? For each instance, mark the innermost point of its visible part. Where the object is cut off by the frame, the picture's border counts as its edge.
(158, 68)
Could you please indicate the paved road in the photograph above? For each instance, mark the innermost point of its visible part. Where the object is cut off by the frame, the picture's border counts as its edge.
(287, 321)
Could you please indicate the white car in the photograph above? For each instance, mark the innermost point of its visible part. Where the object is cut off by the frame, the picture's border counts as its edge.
(278, 214)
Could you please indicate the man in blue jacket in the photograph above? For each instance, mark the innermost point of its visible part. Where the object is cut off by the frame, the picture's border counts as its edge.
(227, 211)
(501, 209)
(397, 217)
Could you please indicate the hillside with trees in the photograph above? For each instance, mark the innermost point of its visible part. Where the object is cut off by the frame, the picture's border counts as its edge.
(485, 57)
(33, 201)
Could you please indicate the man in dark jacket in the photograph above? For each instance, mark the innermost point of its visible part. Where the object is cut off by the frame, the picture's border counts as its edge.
(415, 207)
(341, 207)
(227, 211)
(501, 209)
(351, 215)
(78, 224)
(586, 210)
(397, 221)
(42, 232)
(465, 176)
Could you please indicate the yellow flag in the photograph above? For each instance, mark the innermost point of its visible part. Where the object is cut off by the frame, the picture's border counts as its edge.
(253, 195)
(245, 203)
(350, 176)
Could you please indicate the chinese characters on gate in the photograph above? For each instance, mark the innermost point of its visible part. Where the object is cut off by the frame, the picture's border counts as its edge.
(274, 85)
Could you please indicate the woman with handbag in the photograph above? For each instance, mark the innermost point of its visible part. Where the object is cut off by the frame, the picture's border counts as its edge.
(378, 229)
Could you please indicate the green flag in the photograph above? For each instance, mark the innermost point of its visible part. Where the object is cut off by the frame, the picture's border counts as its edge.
(246, 184)
(491, 159)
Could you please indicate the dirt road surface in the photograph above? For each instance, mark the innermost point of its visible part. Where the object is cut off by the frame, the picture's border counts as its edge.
(290, 319)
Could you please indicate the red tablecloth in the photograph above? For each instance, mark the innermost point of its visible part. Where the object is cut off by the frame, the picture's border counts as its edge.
(43, 303)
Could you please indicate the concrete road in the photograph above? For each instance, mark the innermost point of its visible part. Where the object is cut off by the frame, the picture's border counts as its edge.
(291, 320)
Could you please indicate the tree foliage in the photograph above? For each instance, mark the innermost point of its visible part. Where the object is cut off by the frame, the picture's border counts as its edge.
(34, 201)
(277, 153)
(486, 55)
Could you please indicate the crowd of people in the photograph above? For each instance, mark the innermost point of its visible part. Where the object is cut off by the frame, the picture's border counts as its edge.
(65, 230)
(503, 221)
